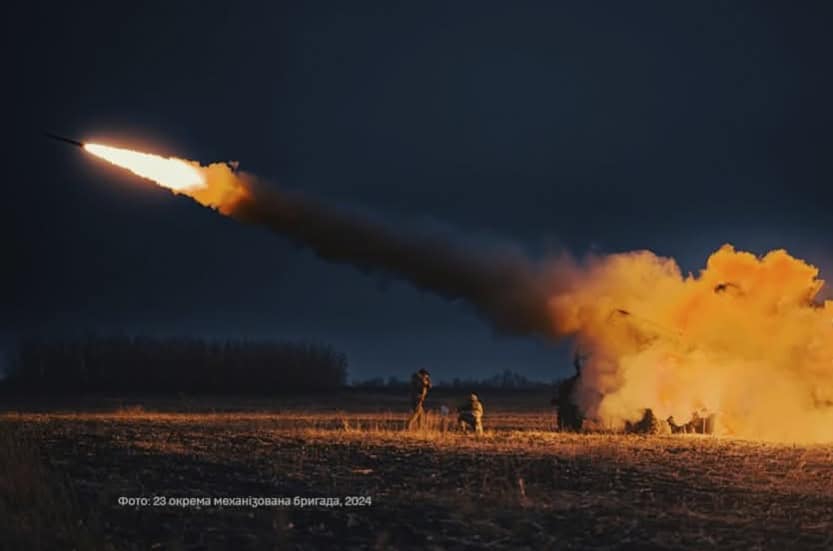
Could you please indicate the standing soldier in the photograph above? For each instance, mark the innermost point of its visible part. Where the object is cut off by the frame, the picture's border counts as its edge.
(569, 417)
(471, 415)
(420, 385)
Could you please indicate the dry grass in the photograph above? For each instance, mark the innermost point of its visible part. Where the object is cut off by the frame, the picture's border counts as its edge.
(517, 486)
(38, 509)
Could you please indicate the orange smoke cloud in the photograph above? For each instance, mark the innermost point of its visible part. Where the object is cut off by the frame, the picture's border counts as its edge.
(744, 338)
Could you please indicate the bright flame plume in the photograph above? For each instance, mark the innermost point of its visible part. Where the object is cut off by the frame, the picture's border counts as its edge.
(168, 172)
(215, 185)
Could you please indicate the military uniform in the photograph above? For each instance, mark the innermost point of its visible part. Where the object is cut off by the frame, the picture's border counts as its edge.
(471, 415)
(420, 385)
(569, 416)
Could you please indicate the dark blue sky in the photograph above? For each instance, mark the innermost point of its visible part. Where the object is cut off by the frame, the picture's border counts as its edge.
(607, 126)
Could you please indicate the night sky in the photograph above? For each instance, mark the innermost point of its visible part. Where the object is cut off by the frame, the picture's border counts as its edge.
(586, 126)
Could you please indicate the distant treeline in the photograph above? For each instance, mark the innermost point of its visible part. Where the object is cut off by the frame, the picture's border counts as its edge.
(507, 380)
(147, 364)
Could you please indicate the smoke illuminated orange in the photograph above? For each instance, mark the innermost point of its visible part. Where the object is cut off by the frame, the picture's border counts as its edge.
(745, 339)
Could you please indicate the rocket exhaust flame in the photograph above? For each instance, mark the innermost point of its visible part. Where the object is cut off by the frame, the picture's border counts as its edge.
(171, 173)
(744, 338)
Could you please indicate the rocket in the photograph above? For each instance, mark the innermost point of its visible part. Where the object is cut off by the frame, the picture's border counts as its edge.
(63, 139)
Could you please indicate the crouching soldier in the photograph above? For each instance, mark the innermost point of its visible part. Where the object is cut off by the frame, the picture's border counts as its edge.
(420, 385)
(471, 415)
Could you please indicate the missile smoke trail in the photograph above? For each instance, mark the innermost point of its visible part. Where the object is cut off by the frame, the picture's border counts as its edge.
(507, 290)
(745, 338)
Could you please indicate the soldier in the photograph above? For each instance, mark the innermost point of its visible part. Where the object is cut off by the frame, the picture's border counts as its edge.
(569, 416)
(471, 415)
(420, 385)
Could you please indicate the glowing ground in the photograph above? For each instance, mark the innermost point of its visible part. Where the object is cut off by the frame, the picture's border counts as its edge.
(518, 487)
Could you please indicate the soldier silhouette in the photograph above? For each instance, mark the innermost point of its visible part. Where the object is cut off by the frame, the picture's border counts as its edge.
(420, 385)
(569, 416)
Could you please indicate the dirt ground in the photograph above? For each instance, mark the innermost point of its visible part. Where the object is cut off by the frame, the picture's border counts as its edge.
(520, 486)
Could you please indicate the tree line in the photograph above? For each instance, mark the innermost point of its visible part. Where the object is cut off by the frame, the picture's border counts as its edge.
(181, 364)
(506, 380)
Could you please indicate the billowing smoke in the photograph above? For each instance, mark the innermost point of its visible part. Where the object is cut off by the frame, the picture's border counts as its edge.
(745, 338)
